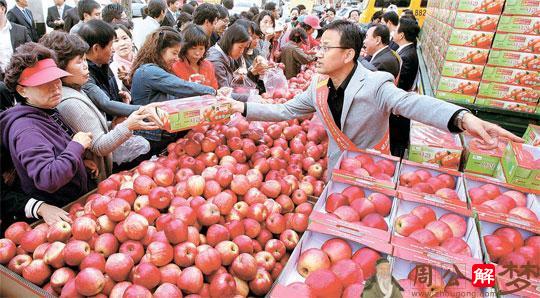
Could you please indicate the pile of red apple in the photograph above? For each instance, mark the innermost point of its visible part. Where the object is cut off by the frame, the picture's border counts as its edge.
(365, 165)
(490, 197)
(507, 246)
(296, 85)
(352, 205)
(334, 271)
(414, 287)
(442, 185)
(421, 225)
(216, 217)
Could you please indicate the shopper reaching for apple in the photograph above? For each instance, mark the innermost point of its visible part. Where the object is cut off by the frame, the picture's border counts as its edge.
(355, 103)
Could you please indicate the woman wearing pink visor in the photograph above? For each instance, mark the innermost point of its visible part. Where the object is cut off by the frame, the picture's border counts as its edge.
(46, 154)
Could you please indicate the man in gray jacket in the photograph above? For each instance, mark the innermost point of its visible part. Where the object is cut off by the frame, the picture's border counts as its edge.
(358, 102)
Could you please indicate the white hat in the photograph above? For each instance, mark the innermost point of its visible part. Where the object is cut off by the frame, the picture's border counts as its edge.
(392, 7)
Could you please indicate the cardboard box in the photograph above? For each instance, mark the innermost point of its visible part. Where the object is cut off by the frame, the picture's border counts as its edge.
(14, 285)
(519, 24)
(521, 165)
(481, 161)
(467, 55)
(484, 6)
(313, 239)
(522, 7)
(517, 42)
(185, 113)
(490, 215)
(412, 250)
(365, 179)
(458, 90)
(433, 146)
(476, 21)
(509, 59)
(511, 76)
(508, 92)
(462, 71)
(352, 230)
(458, 205)
(505, 104)
(532, 135)
(471, 38)
(488, 228)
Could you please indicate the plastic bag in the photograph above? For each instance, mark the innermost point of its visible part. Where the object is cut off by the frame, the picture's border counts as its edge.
(131, 149)
(274, 79)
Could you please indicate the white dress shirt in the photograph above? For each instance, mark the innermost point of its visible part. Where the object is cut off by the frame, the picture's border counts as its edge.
(5, 45)
(60, 10)
(375, 55)
(143, 29)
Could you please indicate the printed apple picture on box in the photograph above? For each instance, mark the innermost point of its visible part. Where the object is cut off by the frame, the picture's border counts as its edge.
(481, 161)
(532, 135)
(521, 165)
(323, 265)
(370, 166)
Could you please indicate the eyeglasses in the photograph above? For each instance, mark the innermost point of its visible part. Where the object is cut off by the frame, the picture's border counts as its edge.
(324, 49)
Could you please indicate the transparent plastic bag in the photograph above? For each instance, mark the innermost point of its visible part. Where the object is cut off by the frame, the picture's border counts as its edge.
(131, 149)
(274, 79)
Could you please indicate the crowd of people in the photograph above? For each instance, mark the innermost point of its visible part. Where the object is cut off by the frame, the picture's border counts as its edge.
(79, 103)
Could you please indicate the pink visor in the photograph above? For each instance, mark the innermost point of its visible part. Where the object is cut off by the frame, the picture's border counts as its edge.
(44, 71)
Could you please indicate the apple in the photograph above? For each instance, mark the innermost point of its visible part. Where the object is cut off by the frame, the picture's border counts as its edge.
(17, 263)
(186, 214)
(69, 290)
(376, 221)
(39, 252)
(75, 251)
(510, 234)
(217, 233)
(337, 249)
(143, 184)
(99, 205)
(440, 229)
(160, 197)
(225, 202)
(170, 273)
(133, 249)
(184, 254)
(54, 255)
(244, 267)
(264, 236)
(347, 213)
(276, 248)
(519, 198)
(118, 290)
(30, 240)
(513, 259)
(94, 260)
(299, 196)
(325, 283)
(146, 275)
(423, 187)
(348, 272)
(240, 184)
(497, 247)
(302, 289)
(425, 237)
(176, 231)
(118, 266)
(208, 260)
(408, 223)
(262, 282)
(353, 192)
(245, 244)
(508, 202)
(350, 164)
(235, 227)
(89, 282)
(336, 200)
(60, 277)
(299, 222)
(190, 280)
(425, 214)
(228, 251)
(141, 202)
(492, 191)
(495, 206)
(16, 230)
(352, 290)
(59, 231)
(382, 203)
(7, 250)
(530, 254)
(478, 195)
(447, 180)
(436, 183)
(128, 194)
(457, 245)
(525, 213)
(167, 290)
(409, 179)
(208, 214)
(289, 238)
(437, 282)
(160, 253)
(106, 244)
(363, 207)
(457, 224)
(276, 223)
(447, 193)
(135, 226)
(312, 260)
(135, 290)
(37, 272)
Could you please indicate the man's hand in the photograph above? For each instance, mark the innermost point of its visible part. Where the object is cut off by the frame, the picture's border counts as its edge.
(126, 97)
(52, 214)
(237, 106)
(151, 111)
(487, 132)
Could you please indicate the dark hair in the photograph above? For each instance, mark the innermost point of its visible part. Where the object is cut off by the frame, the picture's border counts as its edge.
(222, 11)
(301, 7)
(26, 55)
(188, 8)
(258, 18)
(409, 28)
(182, 19)
(234, 34)
(97, 32)
(157, 41)
(111, 12)
(377, 15)
(155, 8)
(86, 6)
(194, 3)
(66, 46)
(332, 10)
(295, 8)
(270, 6)
(351, 36)
(350, 12)
(409, 16)
(229, 4)
(193, 36)
(254, 10)
(298, 35)
(203, 12)
(170, 2)
(305, 26)
(3, 3)
(250, 26)
(123, 28)
(383, 32)
(381, 261)
(392, 17)
(247, 15)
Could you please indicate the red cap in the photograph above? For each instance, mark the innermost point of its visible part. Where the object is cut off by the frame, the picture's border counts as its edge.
(44, 71)
(313, 21)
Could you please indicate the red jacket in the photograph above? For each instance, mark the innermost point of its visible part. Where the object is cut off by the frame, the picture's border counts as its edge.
(183, 70)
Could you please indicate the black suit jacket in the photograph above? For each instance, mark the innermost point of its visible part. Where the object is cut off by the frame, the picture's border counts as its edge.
(168, 20)
(16, 16)
(393, 46)
(409, 67)
(387, 60)
(71, 18)
(52, 15)
(19, 35)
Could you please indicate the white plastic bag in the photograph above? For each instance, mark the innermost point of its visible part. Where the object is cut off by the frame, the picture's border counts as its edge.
(274, 79)
(131, 149)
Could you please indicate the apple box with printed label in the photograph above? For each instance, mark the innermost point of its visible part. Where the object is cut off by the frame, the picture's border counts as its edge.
(481, 161)
(476, 21)
(532, 135)
(434, 146)
(505, 104)
(433, 235)
(521, 165)
(358, 210)
(320, 250)
(481, 6)
(433, 185)
(508, 246)
(522, 7)
(498, 202)
(462, 71)
(511, 76)
(519, 24)
(458, 90)
(517, 42)
(510, 59)
(185, 113)
(467, 55)
(368, 167)
(471, 38)
(508, 92)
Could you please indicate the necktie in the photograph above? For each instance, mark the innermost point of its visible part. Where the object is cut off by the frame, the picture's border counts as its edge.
(27, 15)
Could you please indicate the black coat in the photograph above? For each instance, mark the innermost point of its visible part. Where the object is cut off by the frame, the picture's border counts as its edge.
(387, 60)
(16, 16)
(409, 67)
(168, 20)
(19, 35)
(71, 18)
(53, 15)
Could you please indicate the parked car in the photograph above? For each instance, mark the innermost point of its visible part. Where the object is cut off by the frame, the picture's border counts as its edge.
(137, 7)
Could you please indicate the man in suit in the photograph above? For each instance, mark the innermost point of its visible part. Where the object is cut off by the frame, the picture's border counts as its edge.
(12, 35)
(170, 15)
(21, 15)
(56, 14)
(382, 57)
(221, 24)
(391, 20)
(354, 103)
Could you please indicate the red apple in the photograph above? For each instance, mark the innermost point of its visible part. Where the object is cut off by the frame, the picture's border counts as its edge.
(302, 289)
(143, 184)
(208, 214)
(54, 255)
(59, 231)
(184, 254)
(137, 291)
(363, 207)
(348, 272)
(497, 247)
(75, 251)
(133, 249)
(16, 230)
(376, 221)
(337, 249)
(118, 266)
(190, 280)
(440, 229)
(312, 260)
(325, 283)
(160, 253)
(217, 233)
(146, 275)
(408, 223)
(382, 203)
(436, 183)
(94, 260)
(525, 213)
(106, 244)
(492, 191)
(176, 231)
(510, 234)
(60, 277)
(478, 195)
(457, 224)
(262, 282)
(89, 282)
(7, 250)
(448, 180)
(409, 179)
(30, 240)
(39, 252)
(36, 272)
(353, 192)
(425, 237)
(447, 193)
(208, 260)
(244, 267)
(425, 214)
(289, 238)
(276, 223)
(519, 198)
(17, 263)
(276, 248)
(457, 245)
(245, 244)
(135, 226)
(347, 213)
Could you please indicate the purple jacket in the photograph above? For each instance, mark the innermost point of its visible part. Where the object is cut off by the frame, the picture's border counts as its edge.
(47, 161)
